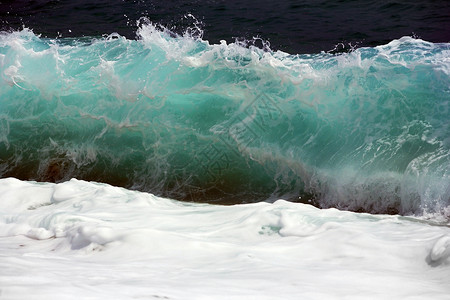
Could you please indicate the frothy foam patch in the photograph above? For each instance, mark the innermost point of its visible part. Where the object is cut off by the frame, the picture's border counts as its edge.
(96, 240)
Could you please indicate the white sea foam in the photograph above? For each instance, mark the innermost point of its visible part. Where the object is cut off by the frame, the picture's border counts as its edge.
(81, 240)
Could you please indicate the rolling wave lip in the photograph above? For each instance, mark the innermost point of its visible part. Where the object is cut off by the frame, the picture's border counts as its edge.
(230, 122)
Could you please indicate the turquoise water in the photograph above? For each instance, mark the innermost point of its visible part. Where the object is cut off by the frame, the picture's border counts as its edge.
(228, 123)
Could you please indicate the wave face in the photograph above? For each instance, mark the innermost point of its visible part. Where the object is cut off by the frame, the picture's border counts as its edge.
(228, 123)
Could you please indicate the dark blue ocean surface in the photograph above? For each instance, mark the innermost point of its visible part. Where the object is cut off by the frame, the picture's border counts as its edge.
(292, 26)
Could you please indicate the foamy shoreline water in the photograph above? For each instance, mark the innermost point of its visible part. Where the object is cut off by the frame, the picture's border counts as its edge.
(87, 240)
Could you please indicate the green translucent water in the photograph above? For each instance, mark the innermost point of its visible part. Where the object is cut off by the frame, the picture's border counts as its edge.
(368, 130)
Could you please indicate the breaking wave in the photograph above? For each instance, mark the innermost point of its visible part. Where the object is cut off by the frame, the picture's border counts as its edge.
(230, 123)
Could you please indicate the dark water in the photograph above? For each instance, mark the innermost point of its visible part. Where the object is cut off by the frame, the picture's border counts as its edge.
(291, 26)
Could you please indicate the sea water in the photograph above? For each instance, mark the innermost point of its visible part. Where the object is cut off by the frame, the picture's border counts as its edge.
(230, 123)
(175, 114)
